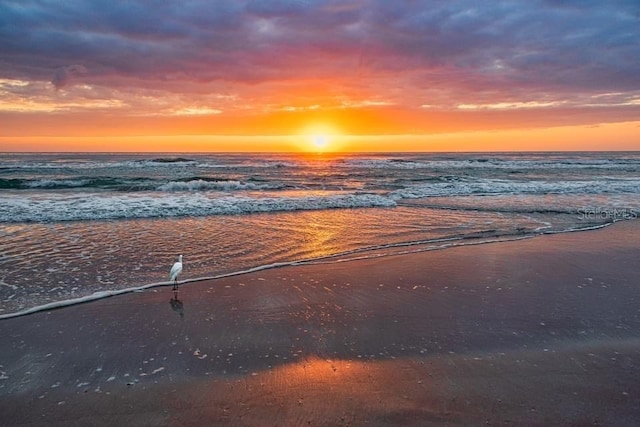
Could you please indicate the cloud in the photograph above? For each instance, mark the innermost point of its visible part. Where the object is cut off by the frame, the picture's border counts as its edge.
(330, 53)
(63, 75)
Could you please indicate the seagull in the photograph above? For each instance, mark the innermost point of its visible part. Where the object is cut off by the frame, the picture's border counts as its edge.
(175, 271)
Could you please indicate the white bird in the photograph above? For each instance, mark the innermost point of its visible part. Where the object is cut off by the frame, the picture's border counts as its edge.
(175, 271)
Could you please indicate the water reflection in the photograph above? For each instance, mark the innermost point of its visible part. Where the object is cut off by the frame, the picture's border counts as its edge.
(176, 304)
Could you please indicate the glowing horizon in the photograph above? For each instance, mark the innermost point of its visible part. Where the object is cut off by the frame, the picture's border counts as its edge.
(547, 139)
(358, 75)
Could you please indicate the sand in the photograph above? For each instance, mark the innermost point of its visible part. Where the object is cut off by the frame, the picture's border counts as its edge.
(543, 331)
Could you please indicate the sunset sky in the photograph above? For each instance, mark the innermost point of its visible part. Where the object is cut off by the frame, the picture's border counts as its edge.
(365, 75)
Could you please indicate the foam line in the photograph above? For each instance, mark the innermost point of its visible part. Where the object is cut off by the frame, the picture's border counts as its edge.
(170, 204)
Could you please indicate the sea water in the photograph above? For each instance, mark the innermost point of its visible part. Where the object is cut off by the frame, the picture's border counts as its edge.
(74, 226)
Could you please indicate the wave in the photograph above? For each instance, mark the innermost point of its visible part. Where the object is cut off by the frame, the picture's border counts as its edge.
(108, 163)
(146, 198)
(170, 160)
(97, 206)
(105, 183)
(52, 183)
(10, 184)
(56, 183)
(137, 184)
(491, 163)
(204, 184)
(499, 187)
(548, 161)
(161, 163)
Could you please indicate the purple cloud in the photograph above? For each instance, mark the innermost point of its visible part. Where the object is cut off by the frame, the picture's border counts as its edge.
(63, 75)
(408, 53)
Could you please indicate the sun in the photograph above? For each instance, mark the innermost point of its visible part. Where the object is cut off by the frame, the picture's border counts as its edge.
(320, 141)
(320, 138)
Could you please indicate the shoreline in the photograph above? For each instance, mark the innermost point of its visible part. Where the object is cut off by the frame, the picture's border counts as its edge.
(535, 331)
(470, 241)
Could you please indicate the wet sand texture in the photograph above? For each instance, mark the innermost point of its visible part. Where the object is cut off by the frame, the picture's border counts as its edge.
(542, 331)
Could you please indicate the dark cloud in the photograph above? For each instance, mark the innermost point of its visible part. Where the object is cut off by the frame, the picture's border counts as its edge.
(63, 75)
(407, 51)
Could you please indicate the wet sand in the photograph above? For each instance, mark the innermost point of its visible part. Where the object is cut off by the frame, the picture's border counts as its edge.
(544, 331)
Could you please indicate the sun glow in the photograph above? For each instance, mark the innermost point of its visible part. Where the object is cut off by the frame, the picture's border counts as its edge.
(320, 141)
(320, 138)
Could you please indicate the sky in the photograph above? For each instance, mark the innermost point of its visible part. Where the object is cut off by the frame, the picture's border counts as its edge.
(366, 75)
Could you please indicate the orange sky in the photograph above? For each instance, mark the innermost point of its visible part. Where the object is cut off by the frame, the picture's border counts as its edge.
(562, 138)
(373, 76)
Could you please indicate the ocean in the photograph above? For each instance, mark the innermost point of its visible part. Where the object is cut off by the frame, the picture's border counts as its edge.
(75, 227)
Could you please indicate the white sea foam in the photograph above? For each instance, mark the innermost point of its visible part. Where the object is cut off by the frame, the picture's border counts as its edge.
(199, 184)
(47, 183)
(143, 205)
(488, 163)
(73, 301)
(501, 186)
(171, 203)
(110, 293)
(500, 162)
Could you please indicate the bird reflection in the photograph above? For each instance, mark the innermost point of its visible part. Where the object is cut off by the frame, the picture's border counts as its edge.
(176, 304)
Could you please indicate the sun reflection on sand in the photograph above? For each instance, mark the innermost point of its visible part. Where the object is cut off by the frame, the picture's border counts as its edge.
(339, 391)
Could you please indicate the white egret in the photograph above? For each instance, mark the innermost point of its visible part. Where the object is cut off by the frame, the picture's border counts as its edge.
(175, 271)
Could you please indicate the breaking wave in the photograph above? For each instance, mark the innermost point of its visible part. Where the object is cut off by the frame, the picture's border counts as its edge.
(99, 207)
(201, 184)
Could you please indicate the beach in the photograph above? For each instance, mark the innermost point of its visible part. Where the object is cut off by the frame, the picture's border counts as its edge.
(539, 331)
(319, 213)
